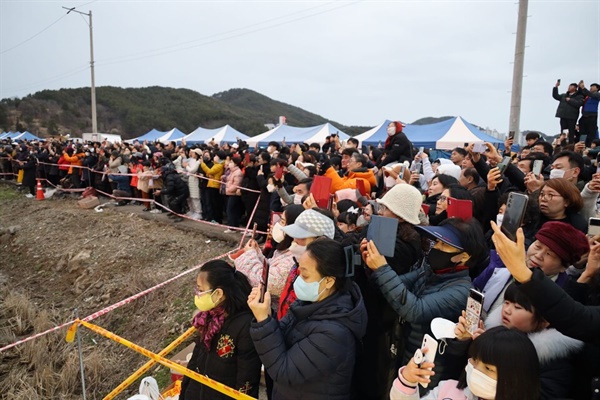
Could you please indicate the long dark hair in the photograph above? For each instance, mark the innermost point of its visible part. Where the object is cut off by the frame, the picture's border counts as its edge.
(515, 359)
(234, 284)
(331, 261)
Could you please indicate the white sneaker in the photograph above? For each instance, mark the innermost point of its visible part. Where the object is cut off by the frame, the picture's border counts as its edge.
(196, 216)
(155, 211)
(29, 196)
(229, 231)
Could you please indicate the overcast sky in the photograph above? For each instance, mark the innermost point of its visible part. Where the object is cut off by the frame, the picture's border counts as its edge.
(354, 62)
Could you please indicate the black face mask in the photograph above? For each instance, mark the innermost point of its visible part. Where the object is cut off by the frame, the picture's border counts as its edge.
(440, 259)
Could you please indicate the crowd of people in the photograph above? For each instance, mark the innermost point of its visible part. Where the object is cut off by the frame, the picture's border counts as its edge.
(337, 318)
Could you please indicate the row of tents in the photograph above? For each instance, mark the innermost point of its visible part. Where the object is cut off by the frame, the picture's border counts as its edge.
(19, 136)
(454, 132)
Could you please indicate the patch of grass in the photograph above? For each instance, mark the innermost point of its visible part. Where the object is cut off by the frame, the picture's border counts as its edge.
(8, 193)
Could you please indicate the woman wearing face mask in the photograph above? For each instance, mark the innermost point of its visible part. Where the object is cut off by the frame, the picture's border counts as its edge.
(224, 350)
(560, 200)
(376, 362)
(555, 351)
(308, 227)
(233, 190)
(439, 288)
(503, 365)
(397, 147)
(556, 246)
(281, 261)
(310, 353)
(214, 174)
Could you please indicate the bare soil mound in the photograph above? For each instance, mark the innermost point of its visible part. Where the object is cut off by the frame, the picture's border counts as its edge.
(56, 257)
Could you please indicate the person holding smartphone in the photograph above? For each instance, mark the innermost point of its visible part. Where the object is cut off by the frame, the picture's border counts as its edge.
(489, 373)
(438, 288)
(568, 109)
(310, 353)
(567, 315)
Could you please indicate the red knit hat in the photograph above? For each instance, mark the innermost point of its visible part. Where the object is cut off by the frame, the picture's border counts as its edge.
(399, 126)
(568, 243)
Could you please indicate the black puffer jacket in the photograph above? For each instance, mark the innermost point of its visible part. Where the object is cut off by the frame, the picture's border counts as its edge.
(232, 361)
(173, 184)
(398, 149)
(567, 109)
(310, 353)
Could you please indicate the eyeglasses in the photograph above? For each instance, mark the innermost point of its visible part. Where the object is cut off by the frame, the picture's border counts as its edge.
(549, 196)
(442, 199)
(199, 292)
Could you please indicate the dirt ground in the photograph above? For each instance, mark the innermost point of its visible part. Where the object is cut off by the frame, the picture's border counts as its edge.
(57, 257)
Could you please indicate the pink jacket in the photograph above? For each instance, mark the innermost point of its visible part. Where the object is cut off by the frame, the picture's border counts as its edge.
(234, 181)
(250, 264)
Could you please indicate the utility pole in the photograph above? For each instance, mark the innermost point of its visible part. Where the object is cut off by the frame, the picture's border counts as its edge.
(94, 118)
(517, 83)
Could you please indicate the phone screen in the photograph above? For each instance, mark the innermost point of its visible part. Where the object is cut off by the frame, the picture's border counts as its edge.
(537, 167)
(503, 164)
(511, 134)
(278, 172)
(583, 138)
(513, 214)
(473, 311)
(264, 281)
(593, 227)
(432, 346)
(254, 231)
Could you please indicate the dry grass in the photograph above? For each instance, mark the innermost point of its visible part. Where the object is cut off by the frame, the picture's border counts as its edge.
(48, 367)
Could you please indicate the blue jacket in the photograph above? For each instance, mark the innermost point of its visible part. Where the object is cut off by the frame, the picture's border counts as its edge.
(495, 278)
(310, 353)
(590, 107)
(420, 296)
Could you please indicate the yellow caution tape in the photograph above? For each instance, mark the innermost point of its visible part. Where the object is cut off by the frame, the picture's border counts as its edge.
(218, 386)
(137, 374)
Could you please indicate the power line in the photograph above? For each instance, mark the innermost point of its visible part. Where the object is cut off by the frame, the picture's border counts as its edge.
(172, 50)
(37, 34)
(170, 47)
(48, 80)
(42, 31)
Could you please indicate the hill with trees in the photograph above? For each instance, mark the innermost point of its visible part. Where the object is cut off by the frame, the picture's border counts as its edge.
(132, 112)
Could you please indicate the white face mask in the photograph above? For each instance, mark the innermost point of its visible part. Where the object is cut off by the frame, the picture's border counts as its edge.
(479, 383)
(270, 188)
(216, 159)
(277, 233)
(297, 199)
(297, 250)
(499, 219)
(557, 173)
(391, 130)
(389, 181)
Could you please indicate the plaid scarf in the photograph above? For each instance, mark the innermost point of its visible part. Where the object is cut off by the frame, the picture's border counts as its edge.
(209, 323)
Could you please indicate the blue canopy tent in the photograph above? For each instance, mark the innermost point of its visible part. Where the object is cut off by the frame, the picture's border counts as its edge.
(26, 136)
(200, 135)
(445, 135)
(3, 135)
(293, 134)
(149, 136)
(171, 135)
(224, 134)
